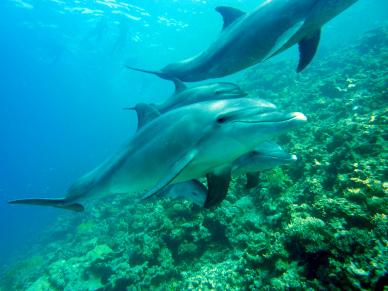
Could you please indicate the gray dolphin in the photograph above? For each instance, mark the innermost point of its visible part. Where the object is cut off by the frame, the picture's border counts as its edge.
(148, 112)
(181, 145)
(193, 191)
(184, 95)
(249, 38)
(265, 156)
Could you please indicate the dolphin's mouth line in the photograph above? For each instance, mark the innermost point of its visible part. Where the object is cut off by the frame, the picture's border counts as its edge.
(277, 158)
(231, 93)
(265, 121)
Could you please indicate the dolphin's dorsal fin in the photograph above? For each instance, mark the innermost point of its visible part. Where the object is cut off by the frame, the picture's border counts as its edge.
(218, 185)
(307, 49)
(145, 113)
(229, 14)
(171, 174)
(179, 86)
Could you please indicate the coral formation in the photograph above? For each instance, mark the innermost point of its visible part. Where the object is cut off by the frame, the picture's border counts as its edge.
(320, 224)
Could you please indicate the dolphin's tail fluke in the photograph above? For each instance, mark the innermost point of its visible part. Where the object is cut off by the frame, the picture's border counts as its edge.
(58, 202)
(160, 74)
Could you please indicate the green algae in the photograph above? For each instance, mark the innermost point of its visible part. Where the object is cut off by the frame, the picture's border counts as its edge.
(320, 224)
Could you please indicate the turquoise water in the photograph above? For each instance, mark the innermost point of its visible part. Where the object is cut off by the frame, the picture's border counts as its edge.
(64, 82)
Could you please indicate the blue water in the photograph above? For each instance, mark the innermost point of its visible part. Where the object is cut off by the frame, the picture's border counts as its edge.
(63, 84)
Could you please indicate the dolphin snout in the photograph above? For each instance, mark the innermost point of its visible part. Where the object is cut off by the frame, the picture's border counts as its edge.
(283, 117)
(299, 116)
(295, 119)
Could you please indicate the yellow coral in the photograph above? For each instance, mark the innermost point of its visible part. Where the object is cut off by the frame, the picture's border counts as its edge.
(354, 190)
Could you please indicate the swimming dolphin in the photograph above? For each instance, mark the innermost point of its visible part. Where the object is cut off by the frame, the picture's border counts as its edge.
(265, 156)
(184, 95)
(192, 190)
(249, 38)
(148, 112)
(181, 145)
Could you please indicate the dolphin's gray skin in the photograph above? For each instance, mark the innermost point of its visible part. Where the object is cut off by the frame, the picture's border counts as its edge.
(193, 191)
(265, 156)
(249, 38)
(181, 145)
(213, 91)
(185, 96)
(148, 112)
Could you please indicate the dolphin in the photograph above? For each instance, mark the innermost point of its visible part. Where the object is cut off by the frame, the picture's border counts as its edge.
(184, 95)
(193, 191)
(186, 143)
(265, 156)
(148, 112)
(249, 38)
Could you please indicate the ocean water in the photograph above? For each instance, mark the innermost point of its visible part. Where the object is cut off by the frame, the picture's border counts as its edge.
(63, 84)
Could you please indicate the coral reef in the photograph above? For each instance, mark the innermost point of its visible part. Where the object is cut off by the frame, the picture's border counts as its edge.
(321, 224)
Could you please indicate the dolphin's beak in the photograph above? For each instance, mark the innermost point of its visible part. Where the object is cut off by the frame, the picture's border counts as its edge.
(299, 116)
(286, 117)
(275, 117)
(297, 119)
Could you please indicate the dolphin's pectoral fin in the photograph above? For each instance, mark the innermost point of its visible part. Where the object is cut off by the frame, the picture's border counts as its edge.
(58, 203)
(307, 49)
(252, 180)
(145, 113)
(218, 184)
(229, 14)
(179, 85)
(173, 172)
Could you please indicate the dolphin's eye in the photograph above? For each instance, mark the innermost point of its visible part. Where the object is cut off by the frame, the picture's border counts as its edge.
(221, 119)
